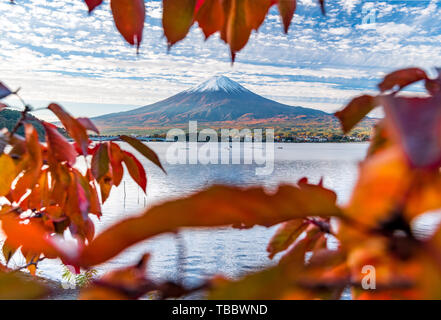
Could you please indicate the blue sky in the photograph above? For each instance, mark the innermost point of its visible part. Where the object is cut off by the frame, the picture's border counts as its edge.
(55, 51)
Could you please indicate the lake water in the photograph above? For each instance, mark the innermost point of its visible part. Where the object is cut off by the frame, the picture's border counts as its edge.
(219, 251)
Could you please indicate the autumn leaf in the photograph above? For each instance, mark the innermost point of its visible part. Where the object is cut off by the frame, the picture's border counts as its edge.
(129, 16)
(100, 161)
(271, 283)
(15, 286)
(31, 237)
(380, 139)
(7, 174)
(381, 188)
(210, 17)
(88, 124)
(8, 251)
(73, 127)
(122, 284)
(92, 4)
(33, 147)
(4, 91)
(136, 170)
(285, 235)
(105, 184)
(287, 9)
(144, 150)
(416, 125)
(116, 158)
(402, 78)
(256, 11)
(60, 149)
(177, 18)
(237, 30)
(356, 110)
(216, 206)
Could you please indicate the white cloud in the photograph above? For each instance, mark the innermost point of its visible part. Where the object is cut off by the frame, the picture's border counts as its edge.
(55, 51)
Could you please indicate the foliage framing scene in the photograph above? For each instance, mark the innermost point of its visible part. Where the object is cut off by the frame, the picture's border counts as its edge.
(92, 207)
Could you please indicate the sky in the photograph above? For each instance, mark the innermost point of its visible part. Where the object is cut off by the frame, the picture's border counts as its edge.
(55, 52)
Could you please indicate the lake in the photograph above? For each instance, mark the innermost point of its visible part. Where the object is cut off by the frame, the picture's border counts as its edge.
(220, 251)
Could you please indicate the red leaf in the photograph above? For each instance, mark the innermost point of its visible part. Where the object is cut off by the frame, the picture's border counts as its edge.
(210, 17)
(416, 124)
(256, 11)
(322, 6)
(402, 78)
(136, 170)
(287, 9)
(116, 158)
(177, 19)
(88, 124)
(92, 4)
(106, 184)
(129, 16)
(3, 106)
(216, 206)
(355, 111)
(143, 149)
(237, 30)
(73, 127)
(59, 148)
(100, 161)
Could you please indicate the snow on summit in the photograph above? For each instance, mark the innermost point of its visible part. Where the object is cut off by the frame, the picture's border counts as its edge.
(219, 83)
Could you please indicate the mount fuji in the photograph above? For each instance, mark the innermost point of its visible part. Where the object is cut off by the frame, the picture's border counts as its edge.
(217, 102)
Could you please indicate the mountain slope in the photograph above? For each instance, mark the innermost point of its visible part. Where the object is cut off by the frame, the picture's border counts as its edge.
(8, 119)
(217, 102)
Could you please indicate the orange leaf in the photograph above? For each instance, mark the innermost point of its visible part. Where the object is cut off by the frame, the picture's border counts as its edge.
(73, 127)
(287, 9)
(31, 236)
(129, 16)
(59, 148)
(402, 78)
(285, 235)
(126, 283)
(237, 30)
(144, 150)
(15, 286)
(177, 18)
(381, 188)
(355, 111)
(34, 151)
(106, 184)
(8, 173)
(216, 206)
(256, 11)
(210, 17)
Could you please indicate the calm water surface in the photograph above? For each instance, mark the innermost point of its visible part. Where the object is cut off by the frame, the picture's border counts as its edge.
(219, 251)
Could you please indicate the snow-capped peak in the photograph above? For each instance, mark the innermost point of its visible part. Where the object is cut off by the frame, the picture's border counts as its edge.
(219, 83)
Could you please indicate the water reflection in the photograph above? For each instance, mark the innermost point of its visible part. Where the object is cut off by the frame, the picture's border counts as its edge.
(223, 250)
